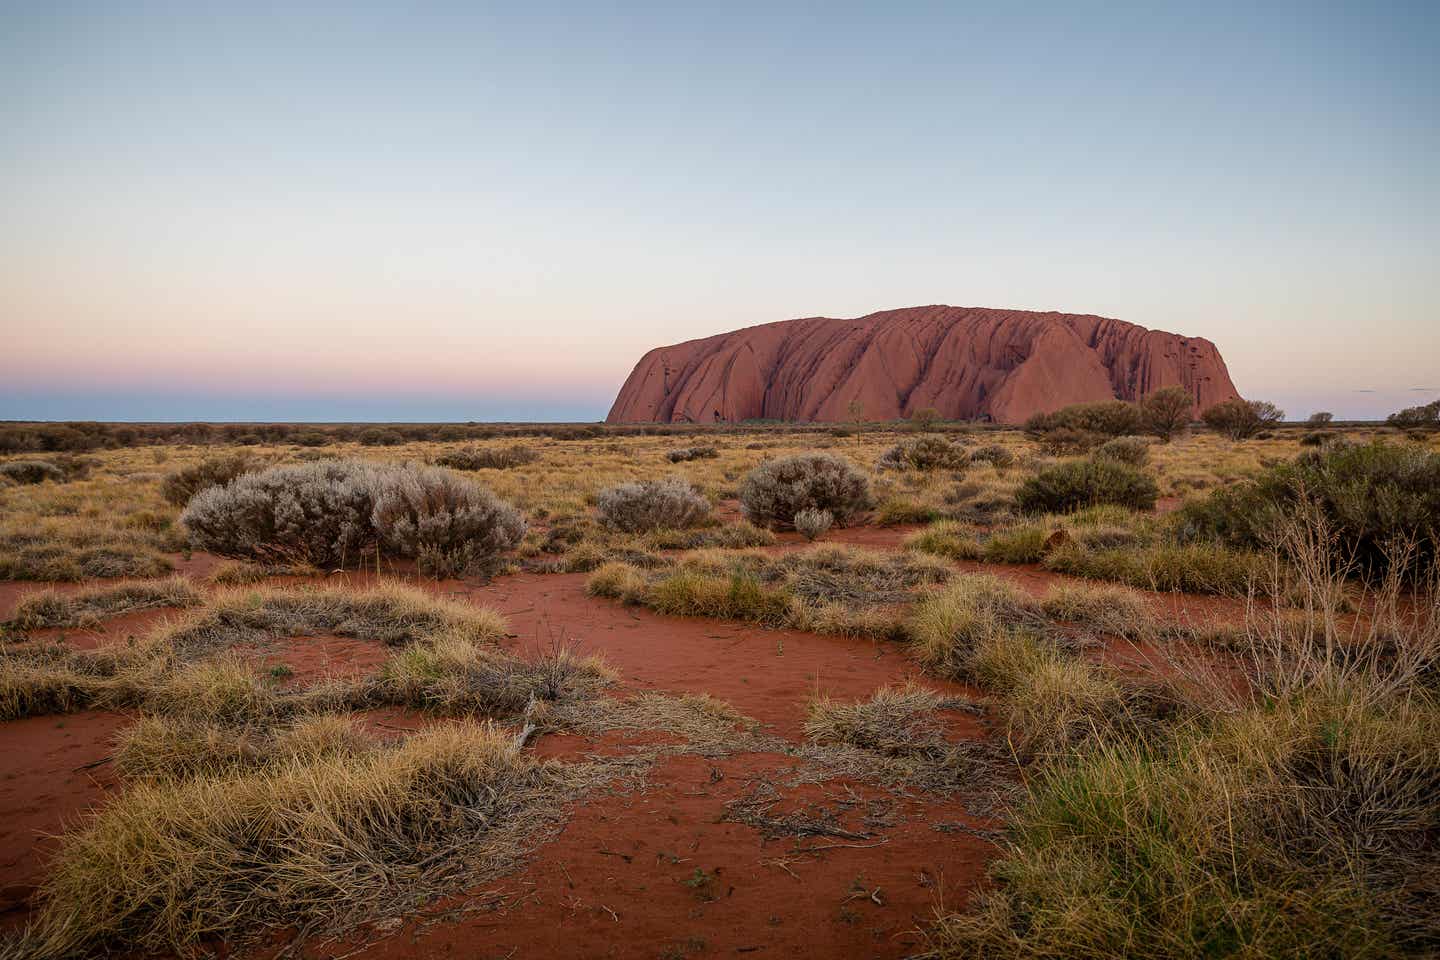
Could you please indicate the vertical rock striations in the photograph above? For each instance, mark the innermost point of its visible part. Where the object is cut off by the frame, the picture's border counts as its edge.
(966, 362)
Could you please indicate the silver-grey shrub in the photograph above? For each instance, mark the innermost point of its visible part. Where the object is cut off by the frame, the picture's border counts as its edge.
(813, 523)
(1134, 451)
(775, 491)
(923, 453)
(331, 513)
(31, 471)
(452, 526)
(642, 506)
(315, 513)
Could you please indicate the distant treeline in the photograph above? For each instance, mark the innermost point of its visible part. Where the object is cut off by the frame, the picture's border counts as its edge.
(79, 436)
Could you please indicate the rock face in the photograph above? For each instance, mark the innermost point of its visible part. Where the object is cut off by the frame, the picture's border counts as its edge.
(968, 363)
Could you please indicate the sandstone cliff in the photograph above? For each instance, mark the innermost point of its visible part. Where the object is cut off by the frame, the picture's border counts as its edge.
(966, 362)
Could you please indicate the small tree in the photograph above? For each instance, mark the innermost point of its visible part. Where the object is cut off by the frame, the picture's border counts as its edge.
(1239, 419)
(924, 419)
(1426, 416)
(1166, 412)
(856, 409)
(1320, 418)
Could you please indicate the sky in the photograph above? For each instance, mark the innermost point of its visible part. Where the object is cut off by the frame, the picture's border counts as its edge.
(436, 211)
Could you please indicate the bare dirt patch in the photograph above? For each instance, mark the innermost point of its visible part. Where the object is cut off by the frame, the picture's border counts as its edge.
(52, 770)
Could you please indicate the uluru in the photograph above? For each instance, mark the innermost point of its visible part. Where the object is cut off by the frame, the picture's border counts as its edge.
(967, 363)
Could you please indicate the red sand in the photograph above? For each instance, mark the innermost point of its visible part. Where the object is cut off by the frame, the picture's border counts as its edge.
(580, 896)
(44, 787)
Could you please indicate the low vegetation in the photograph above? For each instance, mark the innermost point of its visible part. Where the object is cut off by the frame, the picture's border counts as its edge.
(487, 458)
(87, 608)
(1293, 820)
(825, 589)
(165, 866)
(813, 524)
(31, 471)
(924, 453)
(647, 505)
(774, 492)
(180, 485)
(329, 513)
(704, 451)
(1371, 495)
(1076, 484)
(1242, 419)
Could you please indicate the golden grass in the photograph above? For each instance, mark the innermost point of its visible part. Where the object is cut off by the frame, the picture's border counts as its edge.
(302, 842)
(86, 608)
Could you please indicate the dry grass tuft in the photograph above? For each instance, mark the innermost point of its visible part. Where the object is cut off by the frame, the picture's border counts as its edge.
(86, 608)
(305, 842)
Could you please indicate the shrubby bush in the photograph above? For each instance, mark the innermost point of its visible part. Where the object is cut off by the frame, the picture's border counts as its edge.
(330, 513)
(311, 438)
(1320, 418)
(1241, 419)
(650, 505)
(380, 437)
(996, 454)
(449, 524)
(1166, 412)
(488, 458)
(315, 513)
(1129, 450)
(180, 486)
(706, 451)
(1084, 425)
(775, 491)
(1076, 484)
(1372, 495)
(31, 471)
(812, 524)
(923, 453)
(1426, 416)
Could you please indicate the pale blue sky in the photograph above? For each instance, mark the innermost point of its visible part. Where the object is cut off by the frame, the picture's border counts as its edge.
(456, 211)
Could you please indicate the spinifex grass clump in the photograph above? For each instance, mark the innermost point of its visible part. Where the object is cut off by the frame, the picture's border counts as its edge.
(1293, 816)
(898, 736)
(168, 748)
(310, 841)
(57, 550)
(180, 666)
(828, 589)
(86, 608)
(776, 490)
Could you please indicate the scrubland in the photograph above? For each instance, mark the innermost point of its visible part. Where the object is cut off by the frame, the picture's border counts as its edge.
(1130, 697)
